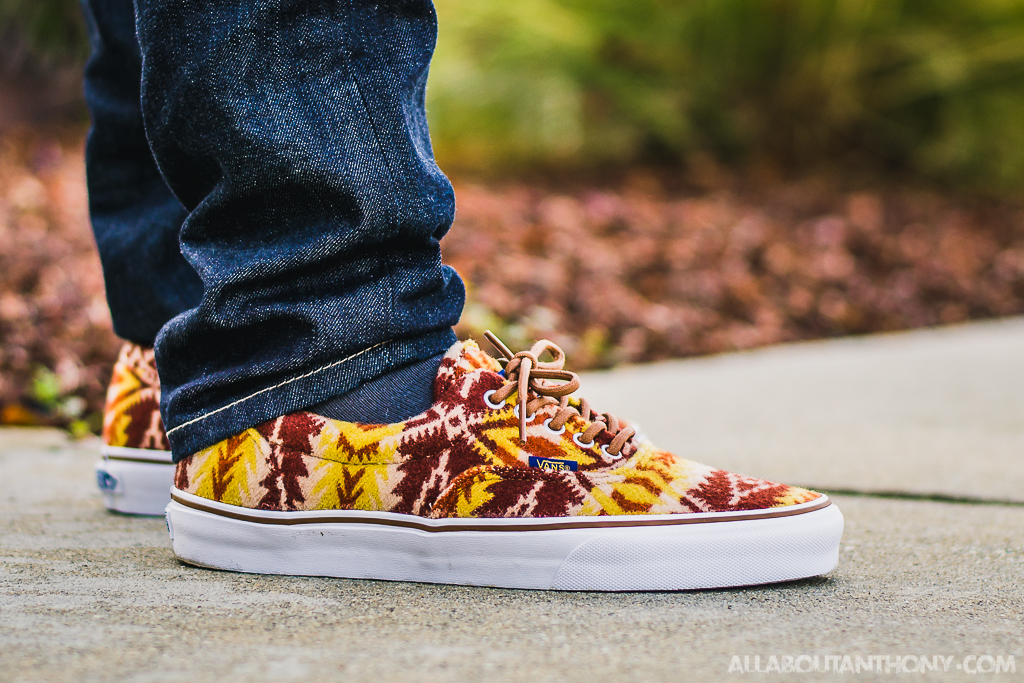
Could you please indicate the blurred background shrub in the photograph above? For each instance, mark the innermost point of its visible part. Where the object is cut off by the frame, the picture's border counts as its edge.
(935, 87)
(41, 30)
(42, 47)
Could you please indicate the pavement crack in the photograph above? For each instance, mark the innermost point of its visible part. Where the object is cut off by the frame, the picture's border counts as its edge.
(930, 497)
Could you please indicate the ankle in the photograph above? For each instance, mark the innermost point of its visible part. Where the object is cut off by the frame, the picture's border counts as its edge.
(393, 397)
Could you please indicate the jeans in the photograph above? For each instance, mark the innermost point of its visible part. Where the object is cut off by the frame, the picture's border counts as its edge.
(265, 199)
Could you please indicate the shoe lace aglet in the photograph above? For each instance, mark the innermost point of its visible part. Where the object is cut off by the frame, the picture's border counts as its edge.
(498, 345)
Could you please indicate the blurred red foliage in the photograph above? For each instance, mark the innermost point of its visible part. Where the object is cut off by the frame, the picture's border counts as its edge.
(630, 274)
(54, 325)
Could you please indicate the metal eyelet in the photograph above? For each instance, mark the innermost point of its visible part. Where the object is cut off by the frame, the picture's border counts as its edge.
(576, 440)
(547, 423)
(529, 418)
(487, 400)
(604, 449)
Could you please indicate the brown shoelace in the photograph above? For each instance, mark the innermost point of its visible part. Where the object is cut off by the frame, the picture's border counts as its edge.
(526, 374)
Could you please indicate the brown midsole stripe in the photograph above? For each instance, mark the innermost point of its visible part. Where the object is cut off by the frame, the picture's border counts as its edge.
(548, 526)
(148, 461)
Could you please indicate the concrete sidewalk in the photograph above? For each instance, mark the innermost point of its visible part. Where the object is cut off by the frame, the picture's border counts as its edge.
(87, 595)
(928, 412)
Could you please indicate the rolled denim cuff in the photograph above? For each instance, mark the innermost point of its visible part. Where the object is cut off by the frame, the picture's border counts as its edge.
(190, 434)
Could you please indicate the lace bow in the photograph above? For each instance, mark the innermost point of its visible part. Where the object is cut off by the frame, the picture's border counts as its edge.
(526, 375)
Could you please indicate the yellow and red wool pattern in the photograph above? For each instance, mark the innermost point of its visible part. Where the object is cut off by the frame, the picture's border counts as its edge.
(131, 418)
(460, 459)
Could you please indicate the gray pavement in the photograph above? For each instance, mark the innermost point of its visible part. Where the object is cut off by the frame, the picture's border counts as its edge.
(90, 596)
(932, 412)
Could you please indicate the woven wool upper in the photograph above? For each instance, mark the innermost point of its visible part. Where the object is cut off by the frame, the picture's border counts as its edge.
(461, 458)
(131, 417)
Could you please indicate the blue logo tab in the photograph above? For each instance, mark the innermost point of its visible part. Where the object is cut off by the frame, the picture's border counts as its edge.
(105, 481)
(553, 465)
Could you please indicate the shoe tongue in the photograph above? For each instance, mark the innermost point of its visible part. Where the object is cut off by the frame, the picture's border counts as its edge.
(462, 359)
(467, 356)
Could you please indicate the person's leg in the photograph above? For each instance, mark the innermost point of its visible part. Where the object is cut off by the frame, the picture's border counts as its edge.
(294, 133)
(136, 221)
(135, 218)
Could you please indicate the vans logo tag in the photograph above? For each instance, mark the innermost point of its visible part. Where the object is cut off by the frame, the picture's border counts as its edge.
(553, 465)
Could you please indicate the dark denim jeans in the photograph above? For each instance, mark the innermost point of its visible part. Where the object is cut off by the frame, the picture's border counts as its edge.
(287, 249)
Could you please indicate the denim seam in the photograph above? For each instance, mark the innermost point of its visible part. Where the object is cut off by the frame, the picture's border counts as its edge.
(366, 107)
(277, 386)
(350, 33)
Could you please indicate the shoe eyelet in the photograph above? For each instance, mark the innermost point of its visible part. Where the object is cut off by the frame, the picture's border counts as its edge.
(547, 423)
(529, 418)
(487, 400)
(576, 440)
(604, 450)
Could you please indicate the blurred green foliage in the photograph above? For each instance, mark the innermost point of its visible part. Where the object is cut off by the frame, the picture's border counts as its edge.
(62, 407)
(52, 28)
(936, 86)
(933, 85)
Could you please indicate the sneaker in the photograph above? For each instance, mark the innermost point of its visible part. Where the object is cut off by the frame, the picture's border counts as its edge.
(505, 481)
(136, 473)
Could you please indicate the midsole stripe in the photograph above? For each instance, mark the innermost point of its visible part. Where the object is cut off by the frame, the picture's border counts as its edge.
(145, 455)
(622, 521)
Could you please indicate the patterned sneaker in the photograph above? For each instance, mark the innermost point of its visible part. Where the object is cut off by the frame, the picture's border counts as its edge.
(504, 481)
(136, 473)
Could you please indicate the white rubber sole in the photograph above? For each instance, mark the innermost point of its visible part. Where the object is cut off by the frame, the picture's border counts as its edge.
(629, 553)
(135, 480)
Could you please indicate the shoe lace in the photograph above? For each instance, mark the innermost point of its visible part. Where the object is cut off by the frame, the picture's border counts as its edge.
(526, 374)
